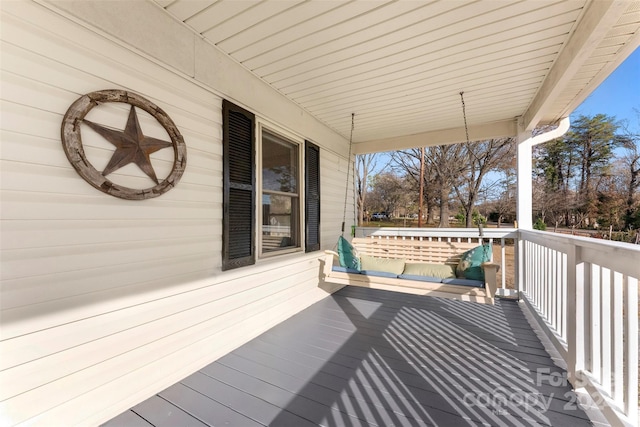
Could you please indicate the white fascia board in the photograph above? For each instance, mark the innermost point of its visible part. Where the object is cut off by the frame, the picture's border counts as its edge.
(501, 129)
(621, 56)
(599, 17)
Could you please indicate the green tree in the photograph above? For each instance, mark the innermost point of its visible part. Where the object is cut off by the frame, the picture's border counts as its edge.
(631, 175)
(574, 168)
(593, 138)
(554, 162)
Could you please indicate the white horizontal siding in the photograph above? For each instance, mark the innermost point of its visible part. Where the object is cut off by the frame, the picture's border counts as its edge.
(333, 175)
(105, 301)
(94, 340)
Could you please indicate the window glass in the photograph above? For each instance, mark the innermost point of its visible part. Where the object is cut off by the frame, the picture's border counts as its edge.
(279, 164)
(280, 198)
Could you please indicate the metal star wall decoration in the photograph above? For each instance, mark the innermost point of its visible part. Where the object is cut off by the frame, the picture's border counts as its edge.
(131, 145)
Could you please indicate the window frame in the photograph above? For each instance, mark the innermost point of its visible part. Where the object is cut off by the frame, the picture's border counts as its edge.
(262, 126)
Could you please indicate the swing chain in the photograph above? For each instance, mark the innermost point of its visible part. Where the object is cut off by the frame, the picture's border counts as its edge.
(346, 190)
(464, 115)
(466, 130)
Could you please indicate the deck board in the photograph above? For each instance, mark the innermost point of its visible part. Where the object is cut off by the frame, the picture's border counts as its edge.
(129, 419)
(365, 357)
(161, 413)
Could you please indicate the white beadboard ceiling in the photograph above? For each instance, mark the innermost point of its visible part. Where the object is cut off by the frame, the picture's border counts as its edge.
(400, 65)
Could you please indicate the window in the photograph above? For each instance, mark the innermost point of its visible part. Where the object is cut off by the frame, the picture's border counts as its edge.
(279, 218)
(280, 194)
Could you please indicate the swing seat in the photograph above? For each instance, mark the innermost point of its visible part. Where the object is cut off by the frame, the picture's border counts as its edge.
(440, 269)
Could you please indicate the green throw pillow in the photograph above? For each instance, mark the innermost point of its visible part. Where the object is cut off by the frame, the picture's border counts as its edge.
(395, 266)
(470, 263)
(347, 254)
(442, 271)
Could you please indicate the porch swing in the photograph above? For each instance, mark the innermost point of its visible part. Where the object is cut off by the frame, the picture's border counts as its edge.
(458, 270)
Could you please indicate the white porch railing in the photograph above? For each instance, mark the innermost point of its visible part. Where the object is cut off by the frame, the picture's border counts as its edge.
(585, 294)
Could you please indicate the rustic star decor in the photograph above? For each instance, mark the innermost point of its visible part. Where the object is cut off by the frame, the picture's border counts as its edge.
(131, 145)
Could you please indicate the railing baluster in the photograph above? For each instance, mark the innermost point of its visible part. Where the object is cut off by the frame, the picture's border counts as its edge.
(605, 329)
(617, 336)
(532, 271)
(553, 300)
(586, 348)
(631, 348)
(565, 296)
(575, 315)
(547, 284)
(594, 324)
(503, 263)
(541, 279)
(526, 263)
(538, 274)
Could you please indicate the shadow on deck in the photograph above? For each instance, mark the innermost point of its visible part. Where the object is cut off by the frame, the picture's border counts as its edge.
(366, 357)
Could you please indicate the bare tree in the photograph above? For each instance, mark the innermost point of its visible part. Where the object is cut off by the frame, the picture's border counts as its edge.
(482, 157)
(447, 163)
(365, 164)
(502, 192)
(407, 162)
(388, 193)
(443, 166)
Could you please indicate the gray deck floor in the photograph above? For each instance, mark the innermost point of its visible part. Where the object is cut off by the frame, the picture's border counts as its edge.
(365, 357)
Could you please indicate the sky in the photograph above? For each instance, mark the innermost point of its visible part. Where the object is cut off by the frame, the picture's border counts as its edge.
(618, 95)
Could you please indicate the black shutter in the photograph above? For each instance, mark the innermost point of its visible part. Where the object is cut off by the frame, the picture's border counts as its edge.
(312, 194)
(238, 138)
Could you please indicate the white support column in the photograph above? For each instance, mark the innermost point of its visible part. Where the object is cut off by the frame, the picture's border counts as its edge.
(524, 197)
(524, 204)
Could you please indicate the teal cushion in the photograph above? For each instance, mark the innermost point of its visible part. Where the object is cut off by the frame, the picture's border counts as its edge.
(471, 261)
(389, 265)
(442, 271)
(347, 254)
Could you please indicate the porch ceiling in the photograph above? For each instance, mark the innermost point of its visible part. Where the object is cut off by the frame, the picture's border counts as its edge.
(400, 65)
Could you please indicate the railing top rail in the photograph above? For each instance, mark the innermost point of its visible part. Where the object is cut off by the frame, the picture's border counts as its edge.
(488, 233)
(586, 242)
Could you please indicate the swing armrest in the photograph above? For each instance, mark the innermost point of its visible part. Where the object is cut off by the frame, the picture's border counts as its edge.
(328, 261)
(490, 270)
